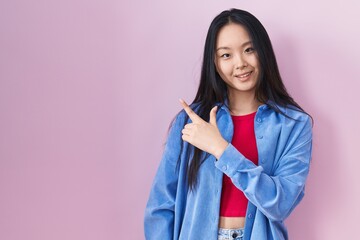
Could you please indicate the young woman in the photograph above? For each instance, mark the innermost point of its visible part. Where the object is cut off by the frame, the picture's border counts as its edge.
(236, 160)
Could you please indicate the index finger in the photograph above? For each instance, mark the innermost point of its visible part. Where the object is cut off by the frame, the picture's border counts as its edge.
(193, 116)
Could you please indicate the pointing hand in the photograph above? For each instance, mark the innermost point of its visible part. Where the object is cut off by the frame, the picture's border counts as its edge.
(203, 135)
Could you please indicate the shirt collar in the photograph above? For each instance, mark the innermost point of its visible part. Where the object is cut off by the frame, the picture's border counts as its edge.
(226, 104)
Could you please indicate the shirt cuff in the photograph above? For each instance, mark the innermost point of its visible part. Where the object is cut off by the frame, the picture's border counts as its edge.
(230, 160)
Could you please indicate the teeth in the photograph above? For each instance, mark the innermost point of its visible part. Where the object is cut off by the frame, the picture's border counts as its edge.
(245, 75)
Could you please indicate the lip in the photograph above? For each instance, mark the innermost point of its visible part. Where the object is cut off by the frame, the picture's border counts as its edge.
(244, 76)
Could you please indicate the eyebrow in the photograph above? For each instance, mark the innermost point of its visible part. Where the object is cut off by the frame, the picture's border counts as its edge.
(242, 45)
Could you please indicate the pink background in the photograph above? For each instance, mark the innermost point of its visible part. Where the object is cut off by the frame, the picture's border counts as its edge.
(88, 88)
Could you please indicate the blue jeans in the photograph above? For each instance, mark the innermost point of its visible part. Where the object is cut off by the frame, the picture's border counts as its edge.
(230, 234)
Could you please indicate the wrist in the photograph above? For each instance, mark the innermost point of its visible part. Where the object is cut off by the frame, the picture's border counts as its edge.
(220, 149)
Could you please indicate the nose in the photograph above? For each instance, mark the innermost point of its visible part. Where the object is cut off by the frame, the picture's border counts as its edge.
(240, 62)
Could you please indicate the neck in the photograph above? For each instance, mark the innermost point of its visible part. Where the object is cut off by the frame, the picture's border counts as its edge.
(242, 104)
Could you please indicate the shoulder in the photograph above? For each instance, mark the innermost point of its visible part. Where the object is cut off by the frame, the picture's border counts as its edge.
(291, 113)
(298, 123)
(291, 120)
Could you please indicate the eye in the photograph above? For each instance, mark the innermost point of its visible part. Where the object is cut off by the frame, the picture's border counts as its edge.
(249, 50)
(225, 55)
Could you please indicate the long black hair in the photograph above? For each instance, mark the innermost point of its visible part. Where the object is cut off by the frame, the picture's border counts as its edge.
(213, 89)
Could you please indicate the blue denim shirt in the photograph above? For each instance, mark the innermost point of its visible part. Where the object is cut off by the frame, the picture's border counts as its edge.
(273, 187)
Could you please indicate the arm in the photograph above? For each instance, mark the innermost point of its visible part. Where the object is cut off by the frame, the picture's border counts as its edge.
(159, 212)
(274, 195)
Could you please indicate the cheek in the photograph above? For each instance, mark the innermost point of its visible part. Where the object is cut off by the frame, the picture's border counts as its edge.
(225, 68)
(254, 62)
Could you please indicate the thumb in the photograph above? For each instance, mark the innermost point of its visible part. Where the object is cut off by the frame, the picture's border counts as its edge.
(213, 116)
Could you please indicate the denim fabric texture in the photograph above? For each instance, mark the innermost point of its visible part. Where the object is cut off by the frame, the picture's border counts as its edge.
(274, 187)
(231, 234)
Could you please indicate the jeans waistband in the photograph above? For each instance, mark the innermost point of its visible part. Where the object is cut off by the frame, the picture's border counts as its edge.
(231, 234)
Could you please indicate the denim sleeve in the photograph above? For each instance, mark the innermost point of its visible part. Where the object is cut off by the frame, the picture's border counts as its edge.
(159, 212)
(274, 195)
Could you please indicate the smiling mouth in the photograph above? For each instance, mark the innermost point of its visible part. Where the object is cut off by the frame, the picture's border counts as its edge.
(244, 76)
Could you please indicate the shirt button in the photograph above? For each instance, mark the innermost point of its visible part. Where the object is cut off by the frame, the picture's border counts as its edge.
(260, 137)
(249, 215)
(258, 119)
(224, 168)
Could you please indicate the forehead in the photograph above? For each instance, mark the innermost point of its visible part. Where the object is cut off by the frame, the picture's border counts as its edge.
(232, 34)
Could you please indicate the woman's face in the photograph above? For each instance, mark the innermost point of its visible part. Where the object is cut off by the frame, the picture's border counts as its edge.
(236, 60)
